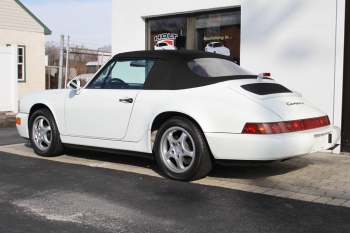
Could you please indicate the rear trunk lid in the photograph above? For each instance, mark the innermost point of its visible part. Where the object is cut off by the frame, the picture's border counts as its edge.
(286, 103)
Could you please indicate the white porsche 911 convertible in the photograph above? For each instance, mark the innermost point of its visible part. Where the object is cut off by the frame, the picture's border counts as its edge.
(217, 47)
(186, 109)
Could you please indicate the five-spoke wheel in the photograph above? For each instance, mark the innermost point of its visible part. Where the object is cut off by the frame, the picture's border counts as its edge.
(43, 134)
(177, 149)
(181, 150)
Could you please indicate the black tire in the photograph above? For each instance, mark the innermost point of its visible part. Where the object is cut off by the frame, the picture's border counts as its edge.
(44, 135)
(173, 160)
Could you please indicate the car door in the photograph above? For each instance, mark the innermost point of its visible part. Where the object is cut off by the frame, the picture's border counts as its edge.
(102, 109)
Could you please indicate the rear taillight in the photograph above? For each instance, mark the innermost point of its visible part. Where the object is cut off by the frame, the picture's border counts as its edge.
(285, 126)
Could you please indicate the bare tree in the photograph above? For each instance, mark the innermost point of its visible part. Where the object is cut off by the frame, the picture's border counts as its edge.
(79, 56)
(52, 50)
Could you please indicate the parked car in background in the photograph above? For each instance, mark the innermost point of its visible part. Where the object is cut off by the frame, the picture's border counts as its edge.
(217, 47)
(185, 109)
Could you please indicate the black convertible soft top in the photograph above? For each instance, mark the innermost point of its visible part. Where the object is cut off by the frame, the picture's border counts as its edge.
(171, 70)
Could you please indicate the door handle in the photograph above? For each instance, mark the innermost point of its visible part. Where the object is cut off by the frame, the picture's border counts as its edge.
(126, 100)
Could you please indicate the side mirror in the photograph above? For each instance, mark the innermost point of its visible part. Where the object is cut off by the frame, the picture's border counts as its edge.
(74, 85)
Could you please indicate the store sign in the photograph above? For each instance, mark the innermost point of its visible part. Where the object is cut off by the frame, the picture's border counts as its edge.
(217, 38)
(165, 36)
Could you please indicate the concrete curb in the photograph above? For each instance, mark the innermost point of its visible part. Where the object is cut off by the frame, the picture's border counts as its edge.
(7, 121)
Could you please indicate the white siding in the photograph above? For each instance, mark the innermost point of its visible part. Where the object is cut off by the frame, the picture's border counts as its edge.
(13, 16)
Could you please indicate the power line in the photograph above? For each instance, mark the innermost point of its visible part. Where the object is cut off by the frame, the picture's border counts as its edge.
(84, 42)
(88, 43)
(89, 40)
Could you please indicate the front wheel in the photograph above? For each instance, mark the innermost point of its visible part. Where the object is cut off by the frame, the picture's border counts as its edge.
(181, 150)
(44, 135)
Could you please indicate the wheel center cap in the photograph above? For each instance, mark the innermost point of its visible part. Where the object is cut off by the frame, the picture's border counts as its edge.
(178, 150)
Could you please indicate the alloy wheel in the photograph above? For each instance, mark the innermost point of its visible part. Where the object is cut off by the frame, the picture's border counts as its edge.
(177, 149)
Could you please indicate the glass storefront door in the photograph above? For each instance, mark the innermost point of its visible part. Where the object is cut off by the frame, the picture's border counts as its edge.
(219, 33)
(211, 31)
(168, 34)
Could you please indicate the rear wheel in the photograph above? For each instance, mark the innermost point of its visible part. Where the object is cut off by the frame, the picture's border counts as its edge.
(181, 150)
(44, 135)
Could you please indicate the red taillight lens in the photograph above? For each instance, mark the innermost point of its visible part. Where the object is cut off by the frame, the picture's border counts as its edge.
(285, 126)
(252, 128)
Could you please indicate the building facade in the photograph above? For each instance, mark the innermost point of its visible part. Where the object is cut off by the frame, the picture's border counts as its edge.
(300, 42)
(18, 26)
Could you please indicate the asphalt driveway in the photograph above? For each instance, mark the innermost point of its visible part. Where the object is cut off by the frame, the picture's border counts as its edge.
(39, 195)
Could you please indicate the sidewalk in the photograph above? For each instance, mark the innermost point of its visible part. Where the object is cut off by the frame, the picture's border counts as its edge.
(319, 177)
(7, 119)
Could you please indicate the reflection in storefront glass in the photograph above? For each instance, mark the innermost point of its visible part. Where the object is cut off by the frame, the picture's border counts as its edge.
(168, 34)
(219, 33)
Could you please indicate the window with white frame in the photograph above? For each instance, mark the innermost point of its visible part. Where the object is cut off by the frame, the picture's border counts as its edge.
(21, 63)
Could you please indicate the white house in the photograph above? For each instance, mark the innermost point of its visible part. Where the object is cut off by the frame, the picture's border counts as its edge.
(300, 42)
(20, 28)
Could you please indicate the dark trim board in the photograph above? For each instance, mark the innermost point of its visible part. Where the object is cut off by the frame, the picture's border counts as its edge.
(345, 127)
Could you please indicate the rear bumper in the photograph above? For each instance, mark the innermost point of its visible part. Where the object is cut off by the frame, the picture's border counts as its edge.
(23, 128)
(271, 147)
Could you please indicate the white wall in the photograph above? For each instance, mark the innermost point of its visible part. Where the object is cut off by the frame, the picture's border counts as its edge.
(8, 79)
(301, 42)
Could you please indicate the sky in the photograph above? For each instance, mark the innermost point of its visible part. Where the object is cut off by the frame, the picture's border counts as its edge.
(85, 21)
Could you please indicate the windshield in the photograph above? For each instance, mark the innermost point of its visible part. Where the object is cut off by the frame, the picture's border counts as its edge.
(216, 67)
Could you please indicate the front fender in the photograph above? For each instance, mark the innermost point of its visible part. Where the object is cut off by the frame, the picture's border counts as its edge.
(52, 99)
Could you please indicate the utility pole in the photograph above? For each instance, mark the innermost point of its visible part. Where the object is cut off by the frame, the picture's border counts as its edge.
(67, 63)
(61, 63)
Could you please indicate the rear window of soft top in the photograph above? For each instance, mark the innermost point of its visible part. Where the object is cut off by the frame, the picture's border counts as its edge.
(216, 67)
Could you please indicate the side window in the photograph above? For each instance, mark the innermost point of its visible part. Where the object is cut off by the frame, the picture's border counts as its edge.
(100, 79)
(21, 62)
(128, 74)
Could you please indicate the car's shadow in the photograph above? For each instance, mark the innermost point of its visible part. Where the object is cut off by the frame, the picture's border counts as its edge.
(260, 172)
(219, 171)
(108, 157)
(114, 158)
